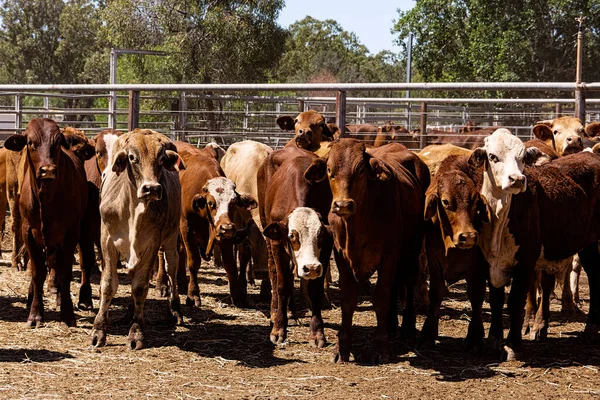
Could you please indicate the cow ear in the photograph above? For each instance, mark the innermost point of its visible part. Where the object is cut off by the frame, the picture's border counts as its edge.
(275, 231)
(477, 159)
(431, 200)
(330, 130)
(596, 148)
(246, 201)
(15, 142)
(172, 161)
(78, 145)
(593, 129)
(198, 202)
(483, 209)
(317, 171)
(532, 155)
(286, 123)
(542, 132)
(379, 169)
(120, 162)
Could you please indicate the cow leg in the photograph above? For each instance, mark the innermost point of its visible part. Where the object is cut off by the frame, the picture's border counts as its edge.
(284, 290)
(36, 288)
(162, 278)
(574, 278)
(316, 290)
(496, 333)
(568, 307)
(531, 306)
(139, 291)
(244, 257)
(542, 317)
(64, 271)
(171, 260)
(87, 264)
(182, 280)
(516, 305)
(476, 294)
(437, 291)
(265, 290)
(409, 316)
(193, 265)
(17, 242)
(109, 283)
(349, 295)
(590, 261)
(272, 269)
(237, 291)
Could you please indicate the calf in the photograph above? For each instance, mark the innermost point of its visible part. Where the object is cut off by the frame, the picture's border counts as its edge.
(376, 217)
(209, 202)
(291, 210)
(310, 129)
(140, 207)
(52, 205)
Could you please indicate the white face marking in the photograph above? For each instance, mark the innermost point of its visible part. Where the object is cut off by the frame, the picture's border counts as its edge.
(505, 153)
(223, 191)
(305, 224)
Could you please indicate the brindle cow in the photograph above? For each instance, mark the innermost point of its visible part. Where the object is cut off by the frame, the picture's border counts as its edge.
(140, 207)
(52, 205)
(310, 129)
(377, 222)
(209, 201)
(291, 210)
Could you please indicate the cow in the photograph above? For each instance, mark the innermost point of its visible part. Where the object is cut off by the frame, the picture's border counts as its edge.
(15, 165)
(376, 218)
(565, 134)
(435, 154)
(291, 210)
(456, 212)
(3, 187)
(389, 133)
(209, 202)
(241, 163)
(468, 140)
(538, 215)
(140, 206)
(52, 204)
(365, 132)
(310, 130)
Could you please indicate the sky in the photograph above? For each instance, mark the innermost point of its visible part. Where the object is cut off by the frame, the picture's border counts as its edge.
(370, 20)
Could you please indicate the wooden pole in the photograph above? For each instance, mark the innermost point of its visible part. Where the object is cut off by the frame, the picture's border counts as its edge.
(558, 111)
(423, 133)
(579, 93)
(340, 116)
(300, 106)
(133, 117)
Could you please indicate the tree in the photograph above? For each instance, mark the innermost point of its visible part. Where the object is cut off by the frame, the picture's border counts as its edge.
(505, 40)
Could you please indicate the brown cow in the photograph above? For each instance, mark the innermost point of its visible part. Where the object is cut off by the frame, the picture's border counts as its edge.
(209, 201)
(15, 165)
(435, 154)
(310, 129)
(565, 134)
(365, 132)
(469, 140)
(291, 210)
(377, 222)
(389, 133)
(52, 205)
(3, 188)
(140, 208)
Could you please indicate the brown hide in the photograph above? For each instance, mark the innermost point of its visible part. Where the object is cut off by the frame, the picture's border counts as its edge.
(310, 130)
(52, 204)
(376, 219)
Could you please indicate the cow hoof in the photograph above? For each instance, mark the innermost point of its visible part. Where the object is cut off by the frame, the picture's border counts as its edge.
(193, 301)
(340, 358)
(98, 338)
(511, 355)
(538, 334)
(278, 337)
(70, 322)
(135, 339)
(240, 302)
(317, 341)
(379, 359)
(162, 291)
(425, 344)
(35, 323)
(492, 345)
(176, 317)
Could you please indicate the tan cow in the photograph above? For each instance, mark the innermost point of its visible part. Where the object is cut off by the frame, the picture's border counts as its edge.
(434, 154)
(140, 208)
(565, 134)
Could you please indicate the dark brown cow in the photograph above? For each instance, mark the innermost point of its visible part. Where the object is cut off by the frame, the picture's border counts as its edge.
(52, 205)
(310, 129)
(291, 210)
(377, 222)
(209, 201)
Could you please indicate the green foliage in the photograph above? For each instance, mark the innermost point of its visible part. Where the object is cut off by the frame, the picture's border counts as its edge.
(504, 40)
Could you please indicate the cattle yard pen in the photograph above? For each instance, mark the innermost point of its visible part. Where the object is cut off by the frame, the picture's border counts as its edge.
(232, 112)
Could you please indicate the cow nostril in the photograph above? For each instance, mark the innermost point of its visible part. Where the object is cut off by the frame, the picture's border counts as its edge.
(462, 238)
(300, 131)
(305, 269)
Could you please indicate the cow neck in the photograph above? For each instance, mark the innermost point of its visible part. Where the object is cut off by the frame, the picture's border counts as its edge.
(493, 233)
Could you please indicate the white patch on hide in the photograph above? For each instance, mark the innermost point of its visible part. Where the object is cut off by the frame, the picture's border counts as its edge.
(305, 221)
(223, 191)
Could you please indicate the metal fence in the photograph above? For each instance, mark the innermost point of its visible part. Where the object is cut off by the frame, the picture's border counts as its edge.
(226, 113)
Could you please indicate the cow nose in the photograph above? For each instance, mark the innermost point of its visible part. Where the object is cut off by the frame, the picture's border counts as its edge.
(517, 181)
(226, 230)
(467, 239)
(47, 172)
(302, 142)
(151, 191)
(344, 207)
(311, 271)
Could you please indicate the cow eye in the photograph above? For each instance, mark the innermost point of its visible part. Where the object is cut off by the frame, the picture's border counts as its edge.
(328, 171)
(445, 203)
(493, 158)
(296, 121)
(211, 204)
(131, 158)
(556, 131)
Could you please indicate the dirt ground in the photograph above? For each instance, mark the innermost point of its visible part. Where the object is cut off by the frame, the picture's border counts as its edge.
(224, 352)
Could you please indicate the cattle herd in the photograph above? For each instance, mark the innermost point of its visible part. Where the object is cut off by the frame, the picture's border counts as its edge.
(497, 212)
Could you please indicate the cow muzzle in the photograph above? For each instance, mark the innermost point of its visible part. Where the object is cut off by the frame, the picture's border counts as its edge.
(47, 172)
(225, 231)
(573, 144)
(517, 183)
(310, 271)
(343, 208)
(150, 192)
(466, 239)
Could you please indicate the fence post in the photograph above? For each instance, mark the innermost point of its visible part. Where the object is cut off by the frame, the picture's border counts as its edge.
(18, 112)
(579, 93)
(300, 106)
(558, 110)
(46, 105)
(183, 108)
(112, 100)
(423, 133)
(340, 116)
(133, 116)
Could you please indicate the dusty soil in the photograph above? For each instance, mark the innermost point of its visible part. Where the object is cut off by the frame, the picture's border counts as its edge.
(224, 352)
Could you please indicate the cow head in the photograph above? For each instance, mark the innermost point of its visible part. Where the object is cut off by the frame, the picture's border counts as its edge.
(104, 142)
(592, 130)
(144, 154)
(454, 205)
(43, 140)
(305, 234)
(348, 166)
(564, 134)
(219, 198)
(310, 128)
(504, 157)
(79, 143)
